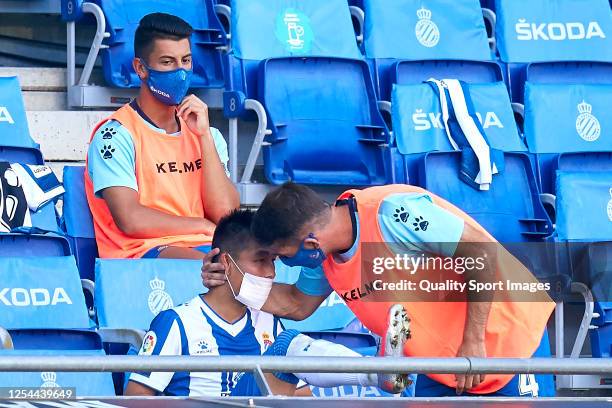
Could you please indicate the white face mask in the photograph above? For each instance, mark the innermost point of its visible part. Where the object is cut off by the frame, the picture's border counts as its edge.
(254, 290)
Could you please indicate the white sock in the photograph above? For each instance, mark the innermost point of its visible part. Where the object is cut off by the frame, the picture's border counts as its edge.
(303, 345)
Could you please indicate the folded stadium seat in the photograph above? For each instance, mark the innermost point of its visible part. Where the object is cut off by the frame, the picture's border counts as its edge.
(510, 210)
(77, 221)
(408, 42)
(83, 384)
(326, 127)
(584, 225)
(42, 304)
(565, 126)
(43, 308)
(129, 293)
(299, 67)
(419, 127)
(563, 40)
(16, 146)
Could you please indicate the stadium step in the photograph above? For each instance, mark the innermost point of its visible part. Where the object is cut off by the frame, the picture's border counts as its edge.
(44, 89)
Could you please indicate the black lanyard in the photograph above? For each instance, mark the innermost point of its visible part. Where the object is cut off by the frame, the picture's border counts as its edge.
(352, 205)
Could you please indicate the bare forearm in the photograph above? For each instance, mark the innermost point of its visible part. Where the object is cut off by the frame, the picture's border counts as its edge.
(136, 389)
(476, 320)
(287, 301)
(218, 192)
(146, 222)
(476, 244)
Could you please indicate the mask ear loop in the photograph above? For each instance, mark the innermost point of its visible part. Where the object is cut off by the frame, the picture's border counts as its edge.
(227, 277)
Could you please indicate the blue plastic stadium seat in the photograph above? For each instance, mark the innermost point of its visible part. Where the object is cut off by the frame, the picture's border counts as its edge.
(584, 222)
(263, 29)
(455, 36)
(419, 129)
(77, 221)
(511, 210)
(553, 32)
(16, 145)
(317, 137)
(122, 18)
(331, 137)
(42, 292)
(326, 126)
(584, 206)
(565, 126)
(44, 239)
(131, 292)
(85, 384)
(55, 339)
(42, 304)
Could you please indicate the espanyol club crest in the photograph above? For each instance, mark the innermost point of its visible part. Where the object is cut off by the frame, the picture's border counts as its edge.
(159, 300)
(587, 125)
(49, 379)
(427, 32)
(267, 341)
(610, 206)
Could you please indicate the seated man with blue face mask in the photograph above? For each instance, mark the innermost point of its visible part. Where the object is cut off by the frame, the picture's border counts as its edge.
(157, 179)
(227, 321)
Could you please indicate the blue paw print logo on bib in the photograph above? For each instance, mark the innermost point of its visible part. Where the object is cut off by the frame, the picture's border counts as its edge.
(420, 224)
(293, 30)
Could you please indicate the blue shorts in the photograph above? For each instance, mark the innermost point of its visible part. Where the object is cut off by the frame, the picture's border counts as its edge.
(154, 252)
(521, 385)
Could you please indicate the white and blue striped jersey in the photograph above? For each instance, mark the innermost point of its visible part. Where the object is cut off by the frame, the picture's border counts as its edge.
(195, 329)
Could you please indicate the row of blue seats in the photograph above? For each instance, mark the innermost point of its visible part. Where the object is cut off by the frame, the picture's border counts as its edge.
(419, 137)
(272, 46)
(392, 31)
(51, 305)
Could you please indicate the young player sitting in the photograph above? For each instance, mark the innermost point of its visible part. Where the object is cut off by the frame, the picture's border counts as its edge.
(227, 321)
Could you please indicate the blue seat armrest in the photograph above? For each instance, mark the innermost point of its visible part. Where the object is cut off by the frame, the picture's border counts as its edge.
(72, 10)
(233, 104)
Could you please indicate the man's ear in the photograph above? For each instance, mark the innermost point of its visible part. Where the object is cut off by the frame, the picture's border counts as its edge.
(139, 68)
(310, 243)
(225, 261)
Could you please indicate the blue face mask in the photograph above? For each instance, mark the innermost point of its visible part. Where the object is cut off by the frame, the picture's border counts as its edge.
(169, 87)
(308, 258)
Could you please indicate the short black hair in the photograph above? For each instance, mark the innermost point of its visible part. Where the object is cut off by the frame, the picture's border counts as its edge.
(159, 26)
(285, 212)
(233, 233)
